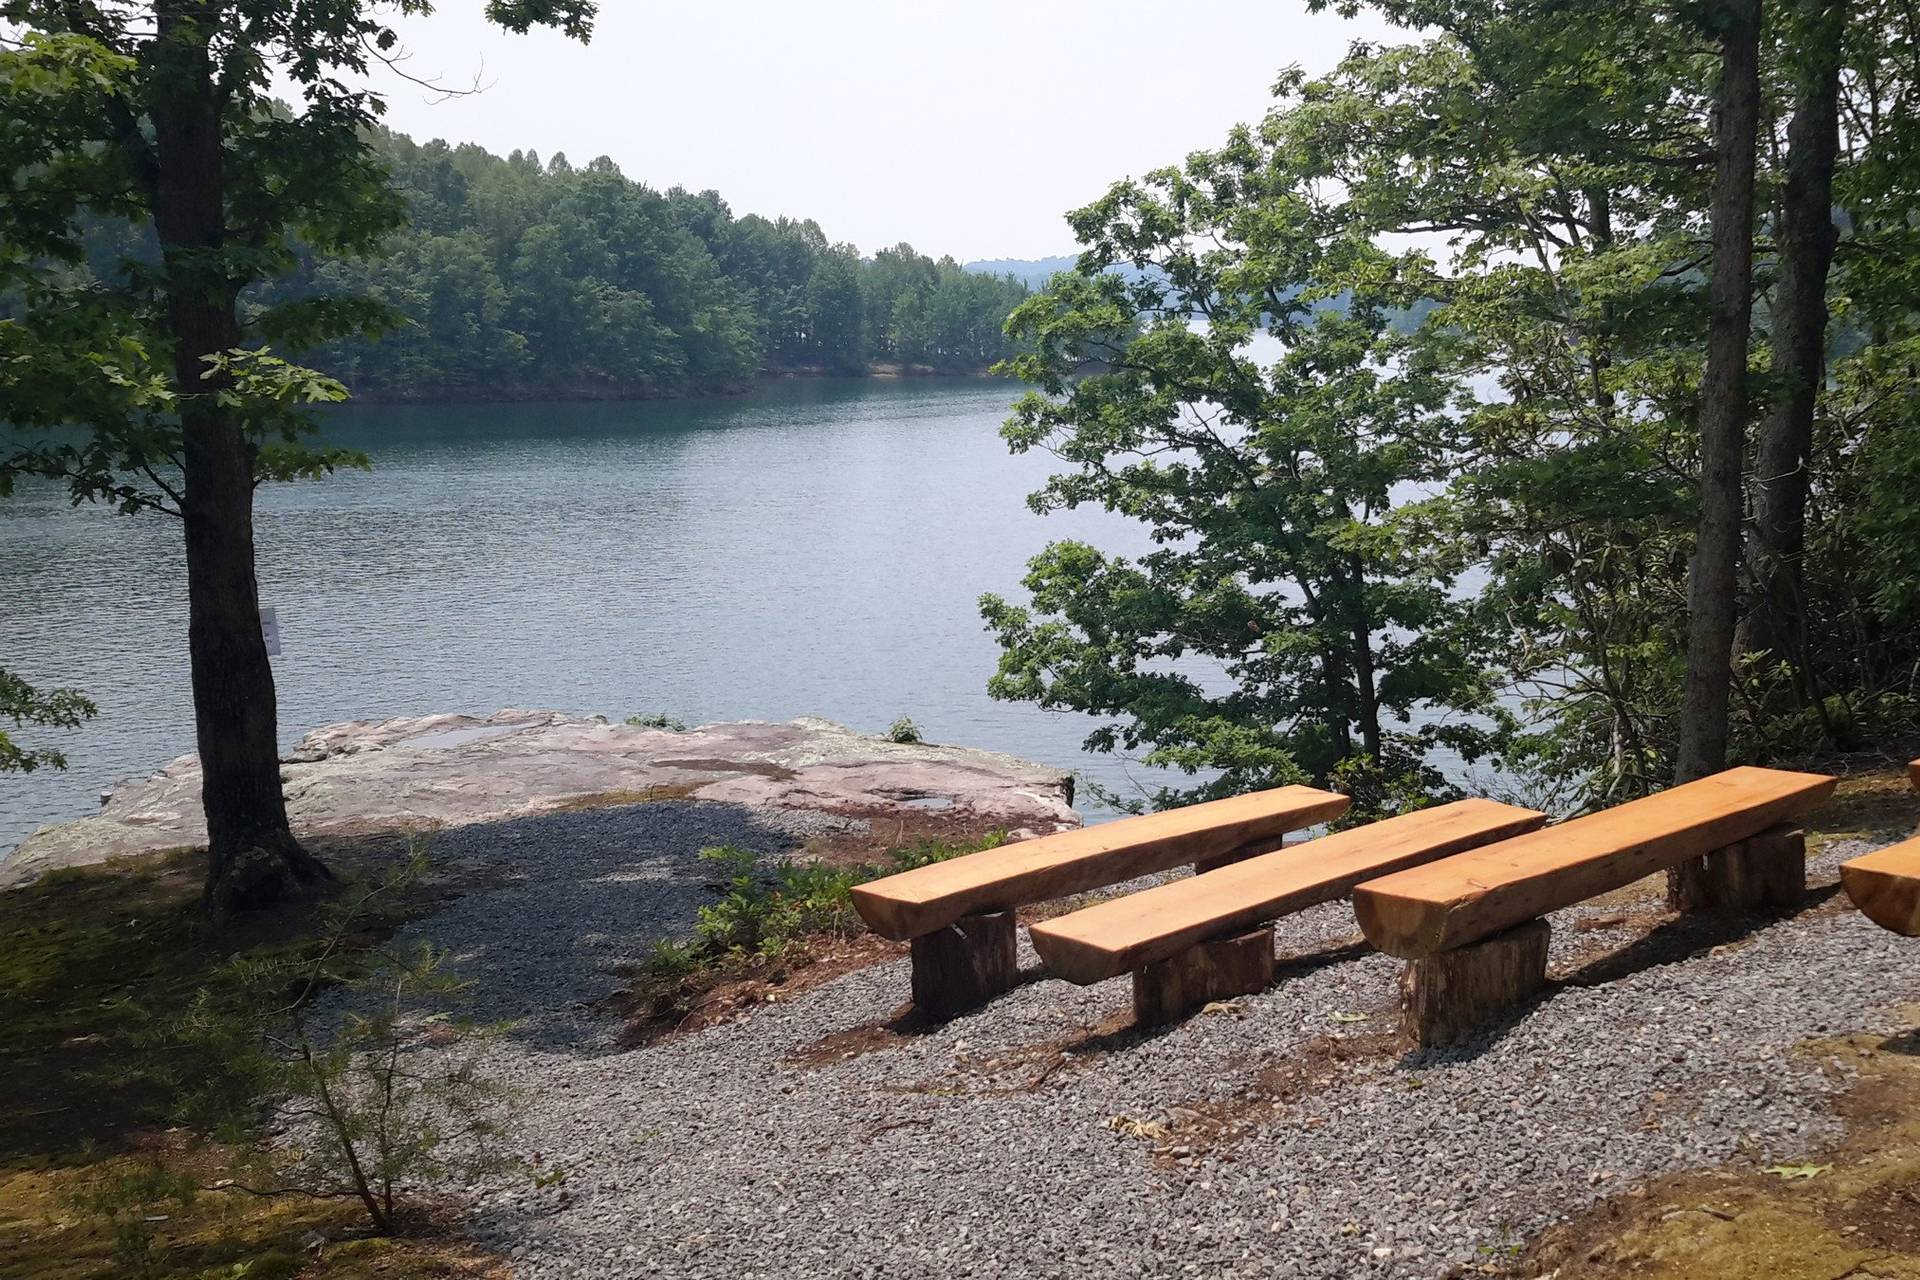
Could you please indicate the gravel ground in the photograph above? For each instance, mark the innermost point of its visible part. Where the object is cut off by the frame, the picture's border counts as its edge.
(1278, 1136)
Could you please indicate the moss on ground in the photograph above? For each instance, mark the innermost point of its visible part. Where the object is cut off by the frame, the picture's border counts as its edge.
(1852, 1212)
(95, 963)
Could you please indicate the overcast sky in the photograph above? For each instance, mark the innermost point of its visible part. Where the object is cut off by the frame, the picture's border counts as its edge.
(967, 127)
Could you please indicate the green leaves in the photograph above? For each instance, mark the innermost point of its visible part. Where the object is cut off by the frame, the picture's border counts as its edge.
(1224, 368)
(53, 708)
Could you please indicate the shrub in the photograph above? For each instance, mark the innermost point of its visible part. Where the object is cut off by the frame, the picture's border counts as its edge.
(658, 720)
(369, 1118)
(764, 914)
(903, 730)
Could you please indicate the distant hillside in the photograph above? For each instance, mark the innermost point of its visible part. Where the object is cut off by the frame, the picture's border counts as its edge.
(1032, 272)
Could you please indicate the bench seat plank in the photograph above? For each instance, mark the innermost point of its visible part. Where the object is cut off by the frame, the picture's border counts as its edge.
(1111, 938)
(1474, 895)
(926, 898)
(1885, 884)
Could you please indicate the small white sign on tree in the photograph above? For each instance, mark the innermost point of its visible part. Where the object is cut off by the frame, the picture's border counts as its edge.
(270, 631)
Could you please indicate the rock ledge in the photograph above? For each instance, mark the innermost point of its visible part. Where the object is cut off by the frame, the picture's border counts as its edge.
(451, 770)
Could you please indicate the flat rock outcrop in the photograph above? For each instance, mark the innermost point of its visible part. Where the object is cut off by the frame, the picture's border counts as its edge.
(364, 777)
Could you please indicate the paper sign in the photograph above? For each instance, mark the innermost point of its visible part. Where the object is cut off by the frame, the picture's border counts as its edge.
(270, 631)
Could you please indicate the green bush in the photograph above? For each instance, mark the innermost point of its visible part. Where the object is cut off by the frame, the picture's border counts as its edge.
(761, 914)
(903, 730)
(658, 720)
(925, 852)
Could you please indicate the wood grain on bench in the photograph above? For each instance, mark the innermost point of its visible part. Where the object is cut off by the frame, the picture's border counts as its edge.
(1885, 885)
(1128, 933)
(1015, 875)
(1474, 895)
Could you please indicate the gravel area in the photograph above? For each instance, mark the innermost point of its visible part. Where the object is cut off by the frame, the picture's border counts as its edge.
(579, 894)
(1275, 1136)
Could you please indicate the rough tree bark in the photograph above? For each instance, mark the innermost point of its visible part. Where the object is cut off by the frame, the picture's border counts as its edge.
(253, 859)
(1806, 239)
(1712, 584)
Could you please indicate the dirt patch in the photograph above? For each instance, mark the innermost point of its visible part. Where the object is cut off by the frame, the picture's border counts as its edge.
(758, 768)
(654, 1009)
(1849, 1213)
(1216, 1126)
(1023, 1068)
(857, 1042)
(614, 799)
(879, 831)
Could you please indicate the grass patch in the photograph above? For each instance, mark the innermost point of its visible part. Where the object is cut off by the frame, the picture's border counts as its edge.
(1866, 806)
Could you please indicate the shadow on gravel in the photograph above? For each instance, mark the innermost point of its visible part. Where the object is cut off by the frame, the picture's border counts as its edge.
(574, 897)
(1675, 940)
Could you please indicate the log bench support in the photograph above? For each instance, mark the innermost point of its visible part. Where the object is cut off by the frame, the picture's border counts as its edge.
(1450, 994)
(1208, 971)
(965, 964)
(1763, 874)
(1251, 849)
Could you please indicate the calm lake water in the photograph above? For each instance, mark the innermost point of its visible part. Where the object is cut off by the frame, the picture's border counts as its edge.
(815, 548)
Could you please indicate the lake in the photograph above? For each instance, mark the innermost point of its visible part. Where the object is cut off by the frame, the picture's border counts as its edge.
(816, 547)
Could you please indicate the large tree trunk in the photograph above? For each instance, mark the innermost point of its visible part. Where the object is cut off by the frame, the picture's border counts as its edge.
(1806, 243)
(1712, 585)
(253, 859)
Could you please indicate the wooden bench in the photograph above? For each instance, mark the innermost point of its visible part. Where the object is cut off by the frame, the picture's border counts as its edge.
(1195, 940)
(959, 913)
(1885, 885)
(1472, 927)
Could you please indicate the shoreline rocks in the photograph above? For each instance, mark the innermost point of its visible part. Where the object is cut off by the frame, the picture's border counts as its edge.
(364, 777)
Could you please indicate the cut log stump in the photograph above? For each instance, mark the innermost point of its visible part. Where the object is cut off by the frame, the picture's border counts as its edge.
(963, 965)
(1252, 849)
(1451, 994)
(1761, 874)
(1207, 971)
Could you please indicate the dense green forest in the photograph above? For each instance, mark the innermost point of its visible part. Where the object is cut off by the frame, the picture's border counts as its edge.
(524, 278)
(1604, 471)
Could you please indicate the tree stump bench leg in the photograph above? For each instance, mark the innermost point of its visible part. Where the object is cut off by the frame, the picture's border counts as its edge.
(1763, 874)
(1251, 849)
(1446, 996)
(1207, 971)
(964, 965)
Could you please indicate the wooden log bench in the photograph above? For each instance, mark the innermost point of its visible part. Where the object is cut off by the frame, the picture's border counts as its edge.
(1209, 937)
(1885, 885)
(959, 914)
(1472, 927)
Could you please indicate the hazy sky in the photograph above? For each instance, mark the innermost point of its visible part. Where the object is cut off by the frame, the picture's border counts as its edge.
(964, 126)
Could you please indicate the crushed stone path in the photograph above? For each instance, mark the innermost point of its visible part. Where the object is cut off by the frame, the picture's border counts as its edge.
(1277, 1136)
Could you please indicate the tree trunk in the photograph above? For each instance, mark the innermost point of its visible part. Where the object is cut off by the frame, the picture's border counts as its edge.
(253, 859)
(1806, 243)
(1712, 585)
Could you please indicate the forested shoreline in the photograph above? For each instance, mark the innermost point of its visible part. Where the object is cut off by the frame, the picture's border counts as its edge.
(521, 279)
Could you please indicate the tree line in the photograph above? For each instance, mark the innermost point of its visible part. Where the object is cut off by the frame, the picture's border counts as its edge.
(1638, 497)
(512, 278)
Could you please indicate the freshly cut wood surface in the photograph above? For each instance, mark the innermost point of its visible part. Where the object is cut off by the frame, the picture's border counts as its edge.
(1015, 875)
(1913, 773)
(1155, 924)
(1885, 884)
(1472, 895)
